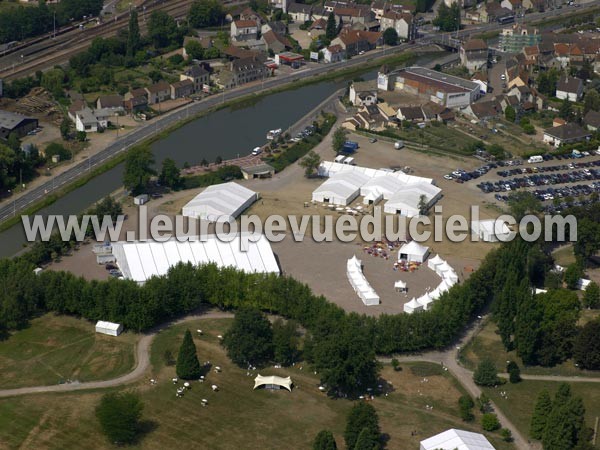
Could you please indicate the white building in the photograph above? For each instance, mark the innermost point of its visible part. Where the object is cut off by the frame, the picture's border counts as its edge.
(490, 230)
(227, 200)
(407, 201)
(341, 188)
(413, 252)
(139, 261)
(363, 93)
(110, 328)
(457, 440)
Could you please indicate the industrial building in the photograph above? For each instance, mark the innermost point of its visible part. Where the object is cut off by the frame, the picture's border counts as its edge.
(16, 123)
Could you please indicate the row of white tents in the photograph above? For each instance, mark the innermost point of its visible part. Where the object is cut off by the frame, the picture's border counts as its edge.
(449, 279)
(360, 284)
(402, 192)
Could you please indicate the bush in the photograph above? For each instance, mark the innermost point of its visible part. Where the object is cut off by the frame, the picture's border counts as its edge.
(57, 149)
(466, 404)
(489, 422)
(119, 415)
(485, 374)
(506, 435)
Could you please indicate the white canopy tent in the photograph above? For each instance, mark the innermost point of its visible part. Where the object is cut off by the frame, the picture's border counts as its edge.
(227, 200)
(386, 185)
(110, 328)
(432, 263)
(413, 251)
(329, 168)
(273, 382)
(340, 189)
(372, 198)
(359, 283)
(454, 439)
(139, 261)
(406, 201)
(425, 300)
(412, 306)
(400, 286)
(444, 267)
(490, 230)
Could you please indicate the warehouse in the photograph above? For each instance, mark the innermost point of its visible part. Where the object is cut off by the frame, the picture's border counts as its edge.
(16, 123)
(139, 261)
(227, 200)
(438, 87)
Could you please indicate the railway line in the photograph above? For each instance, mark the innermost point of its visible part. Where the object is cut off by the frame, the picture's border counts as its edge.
(41, 55)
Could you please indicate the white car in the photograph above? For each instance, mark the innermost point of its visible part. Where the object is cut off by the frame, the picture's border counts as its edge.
(503, 77)
(447, 177)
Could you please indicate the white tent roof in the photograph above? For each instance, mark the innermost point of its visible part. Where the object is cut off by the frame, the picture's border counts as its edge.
(328, 168)
(435, 261)
(412, 306)
(373, 196)
(344, 185)
(359, 283)
(444, 267)
(425, 300)
(387, 185)
(107, 325)
(408, 197)
(413, 248)
(140, 261)
(488, 228)
(279, 381)
(457, 440)
(227, 199)
(400, 284)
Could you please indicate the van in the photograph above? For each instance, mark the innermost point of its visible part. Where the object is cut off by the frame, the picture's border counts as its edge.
(256, 151)
(398, 145)
(535, 159)
(339, 158)
(349, 160)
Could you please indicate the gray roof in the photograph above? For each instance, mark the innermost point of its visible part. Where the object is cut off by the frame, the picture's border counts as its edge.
(567, 132)
(10, 121)
(196, 71)
(86, 115)
(592, 118)
(442, 78)
(258, 169)
(569, 84)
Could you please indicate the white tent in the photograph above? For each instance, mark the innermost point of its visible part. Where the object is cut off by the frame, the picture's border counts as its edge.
(432, 263)
(138, 261)
(227, 200)
(372, 198)
(387, 185)
(110, 328)
(425, 300)
(400, 285)
(412, 306)
(359, 283)
(340, 189)
(444, 267)
(435, 294)
(456, 440)
(329, 168)
(273, 382)
(413, 251)
(490, 230)
(450, 277)
(406, 200)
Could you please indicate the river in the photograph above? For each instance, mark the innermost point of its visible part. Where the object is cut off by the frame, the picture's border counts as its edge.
(226, 133)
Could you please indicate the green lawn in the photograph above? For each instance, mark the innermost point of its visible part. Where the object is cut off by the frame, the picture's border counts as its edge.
(438, 137)
(564, 255)
(55, 348)
(487, 344)
(237, 416)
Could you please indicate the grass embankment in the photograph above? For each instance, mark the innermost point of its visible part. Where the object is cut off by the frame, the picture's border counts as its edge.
(56, 348)
(236, 415)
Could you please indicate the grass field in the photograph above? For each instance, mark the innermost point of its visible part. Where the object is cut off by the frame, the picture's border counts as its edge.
(521, 399)
(55, 348)
(564, 255)
(236, 416)
(487, 344)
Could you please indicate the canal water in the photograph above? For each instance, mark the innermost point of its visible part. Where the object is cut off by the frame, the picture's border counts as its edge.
(226, 133)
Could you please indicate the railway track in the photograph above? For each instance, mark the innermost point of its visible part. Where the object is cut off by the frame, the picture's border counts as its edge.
(60, 52)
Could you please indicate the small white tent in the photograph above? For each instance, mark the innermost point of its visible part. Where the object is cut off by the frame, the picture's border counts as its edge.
(400, 286)
(412, 306)
(490, 230)
(110, 328)
(273, 382)
(444, 267)
(425, 301)
(432, 263)
(413, 251)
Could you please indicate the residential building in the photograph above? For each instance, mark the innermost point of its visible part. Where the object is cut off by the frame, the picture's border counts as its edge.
(242, 71)
(531, 54)
(276, 26)
(474, 55)
(536, 5)
(205, 42)
(411, 113)
(111, 102)
(569, 88)
(300, 12)
(401, 22)
(352, 13)
(136, 100)
(565, 134)
(244, 30)
(250, 14)
(199, 75)
(482, 80)
(363, 93)
(280, 4)
(513, 39)
(158, 92)
(276, 42)
(85, 120)
(16, 123)
(334, 53)
(355, 41)
(492, 12)
(488, 110)
(318, 28)
(182, 88)
(592, 120)
(447, 90)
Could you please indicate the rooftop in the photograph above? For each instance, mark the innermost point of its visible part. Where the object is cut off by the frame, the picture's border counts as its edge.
(9, 120)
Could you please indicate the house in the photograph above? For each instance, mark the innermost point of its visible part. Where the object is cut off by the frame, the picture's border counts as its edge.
(113, 102)
(242, 71)
(244, 30)
(85, 120)
(491, 12)
(205, 42)
(16, 123)
(136, 100)
(158, 92)
(401, 22)
(276, 26)
(250, 14)
(509, 100)
(369, 117)
(523, 93)
(276, 42)
(363, 93)
(280, 4)
(439, 113)
(199, 75)
(355, 41)
(569, 88)
(353, 13)
(536, 5)
(334, 53)
(488, 110)
(531, 53)
(182, 88)
(474, 55)
(592, 120)
(76, 105)
(318, 28)
(482, 80)
(411, 114)
(300, 12)
(565, 134)
(514, 38)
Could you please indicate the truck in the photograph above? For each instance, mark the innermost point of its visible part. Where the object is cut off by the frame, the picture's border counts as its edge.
(535, 159)
(398, 145)
(350, 146)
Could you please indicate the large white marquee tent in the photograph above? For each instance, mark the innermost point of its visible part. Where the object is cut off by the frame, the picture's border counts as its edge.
(329, 168)
(360, 284)
(386, 185)
(413, 252)
(220, 200)
(272, 382)
(454, 439)
(489, 230)
(406, 200)
(139, 261)
(340, 189)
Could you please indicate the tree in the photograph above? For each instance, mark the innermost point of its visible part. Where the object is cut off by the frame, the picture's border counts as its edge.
(390, 36)
(489, 422)
(194, 49)
(310, 163)
(162, 30)
(250, 338)
(138, 169)
(591, 101)
(485, 374)
(339, 138)
(331, 29)
(133, 34)
(285, 342)
(547, 82)
(423, 205)
(466, 404)
(566, 109)
(543, 407)
(205, 13)
(119, 416)
(169, 175)
(522, 203)
(368, 440)
(81, 136)
(573, 274)
(510, 114)
(448, 18)
(362, 416)
(506, 435)
(514, 373)
(586, 348)
(591, 296)
(65, 129)
(188, 367)
(14, 142)
(324, 441)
